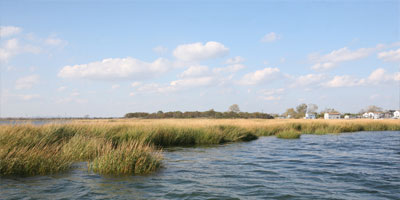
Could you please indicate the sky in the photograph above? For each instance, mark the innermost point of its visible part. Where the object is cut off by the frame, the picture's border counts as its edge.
(108, 58)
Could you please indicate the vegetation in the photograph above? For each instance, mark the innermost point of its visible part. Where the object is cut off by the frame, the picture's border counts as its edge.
(300, 111)
(291, 134)
(133, 146)
(233, 113)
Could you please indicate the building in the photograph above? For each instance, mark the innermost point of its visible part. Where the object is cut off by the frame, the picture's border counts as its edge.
(388, 114)
(332, 115)
(374, 115)
(396, 114)
(309, 116)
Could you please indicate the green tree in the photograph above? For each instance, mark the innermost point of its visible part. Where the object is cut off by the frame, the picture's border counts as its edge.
(301, 110)
(290, 112)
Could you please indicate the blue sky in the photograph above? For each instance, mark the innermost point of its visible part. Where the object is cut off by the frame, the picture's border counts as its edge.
(98, 58)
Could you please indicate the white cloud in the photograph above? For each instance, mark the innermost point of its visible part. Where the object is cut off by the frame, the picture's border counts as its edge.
(7, 96)
(229, 69)
(25, 44)
(374, 96)
(160, 50)
(12, 48)
(344, 81)
(271, 94)
(272, 91)
(272, 98)
(116, 68)
(179, 85)
(330, 60)
(30, 49)
(397, 76)
(259, 76)
(132, 94)
(115, 86)
(9, 49)
(270, 37)
(11, 68)
(26, 82)
(6, 31)
(392, 55)
(195, 71)
(308, 79)
(234, 60)
(323, 66)
(27, 97)
(54, 41)
(193, 82)
(380, 76)
(62, 88)
(136, 84)
(155, 88)
(74, 94)
(198, 51)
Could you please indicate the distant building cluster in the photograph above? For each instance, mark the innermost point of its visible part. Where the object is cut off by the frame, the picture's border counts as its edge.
(392, 114)
(382, 115)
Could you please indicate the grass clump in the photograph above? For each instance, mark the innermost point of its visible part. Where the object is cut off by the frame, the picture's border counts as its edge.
(129, 158)
(288, 134)
(27, 161)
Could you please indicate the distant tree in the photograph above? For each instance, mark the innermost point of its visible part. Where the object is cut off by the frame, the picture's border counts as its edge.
(302, 108)
(196, 114)
(373, 108)
(290, 112)
(234, 108)
(329, 110)
(210, 113)
(312, 108)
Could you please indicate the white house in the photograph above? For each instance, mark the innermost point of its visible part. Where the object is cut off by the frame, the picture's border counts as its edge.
(309, 116)
(396, 114)
(332, 115)
(373, 115)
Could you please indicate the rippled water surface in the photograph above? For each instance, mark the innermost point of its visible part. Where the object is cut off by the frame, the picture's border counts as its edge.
(364, 165)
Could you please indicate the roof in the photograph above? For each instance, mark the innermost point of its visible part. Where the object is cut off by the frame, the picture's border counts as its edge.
(333, 113)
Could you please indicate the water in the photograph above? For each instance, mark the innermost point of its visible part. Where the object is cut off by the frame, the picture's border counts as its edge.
(34, 122)
(364, 165)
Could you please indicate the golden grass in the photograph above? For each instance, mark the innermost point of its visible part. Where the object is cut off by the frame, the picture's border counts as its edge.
(132, 146)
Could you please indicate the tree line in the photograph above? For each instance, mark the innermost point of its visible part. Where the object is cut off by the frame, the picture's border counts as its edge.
(233, 112)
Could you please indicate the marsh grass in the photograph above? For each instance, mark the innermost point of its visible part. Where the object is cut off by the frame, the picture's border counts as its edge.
(29, 161)
(129, 158)
(289, 134)
(133, 146)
